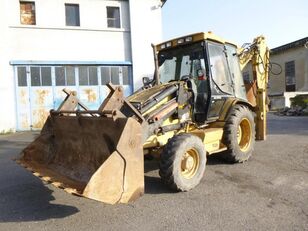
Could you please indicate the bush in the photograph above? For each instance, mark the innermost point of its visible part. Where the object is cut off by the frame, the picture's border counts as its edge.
(300, 101)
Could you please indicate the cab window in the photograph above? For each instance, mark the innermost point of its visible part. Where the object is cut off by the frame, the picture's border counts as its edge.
(219, 69)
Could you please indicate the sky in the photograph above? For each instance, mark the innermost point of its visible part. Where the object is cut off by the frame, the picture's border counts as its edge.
(239, 21)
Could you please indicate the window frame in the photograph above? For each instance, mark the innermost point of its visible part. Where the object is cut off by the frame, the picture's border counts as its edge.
(33, 12)
(290, 74)
(76, 20)
(219, 86)
(88, 80)
(41, 80)
(114, 19)
(22, 80)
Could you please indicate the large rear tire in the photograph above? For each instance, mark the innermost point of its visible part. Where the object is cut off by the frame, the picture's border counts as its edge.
(239, 135)
(182, 162)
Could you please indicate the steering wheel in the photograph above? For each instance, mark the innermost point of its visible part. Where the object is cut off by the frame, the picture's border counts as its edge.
(186, 77)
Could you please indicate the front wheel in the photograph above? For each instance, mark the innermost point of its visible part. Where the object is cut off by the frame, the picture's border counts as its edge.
(182, 162)
(239, 134)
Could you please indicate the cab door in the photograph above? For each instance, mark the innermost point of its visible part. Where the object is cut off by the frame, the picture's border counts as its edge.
(221, 82)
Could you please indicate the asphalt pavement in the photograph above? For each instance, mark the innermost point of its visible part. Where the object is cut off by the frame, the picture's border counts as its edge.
(268, 192)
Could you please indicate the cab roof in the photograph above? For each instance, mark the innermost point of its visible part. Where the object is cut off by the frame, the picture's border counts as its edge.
(196, 37)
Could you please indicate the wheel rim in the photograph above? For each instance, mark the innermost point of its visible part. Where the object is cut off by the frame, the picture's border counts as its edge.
(244, 134)
(189, 163)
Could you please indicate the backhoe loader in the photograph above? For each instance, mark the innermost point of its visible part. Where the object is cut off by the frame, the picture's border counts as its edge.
(197, 104)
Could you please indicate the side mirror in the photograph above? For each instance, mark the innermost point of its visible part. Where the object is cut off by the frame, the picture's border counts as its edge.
(146, 81)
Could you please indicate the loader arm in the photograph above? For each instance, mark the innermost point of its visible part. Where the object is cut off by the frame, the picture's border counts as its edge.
(257, 54)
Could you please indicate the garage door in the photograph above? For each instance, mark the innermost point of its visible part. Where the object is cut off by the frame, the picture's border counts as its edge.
(39, 89)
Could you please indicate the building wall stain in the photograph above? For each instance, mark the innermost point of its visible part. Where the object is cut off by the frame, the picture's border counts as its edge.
(91, 95)
(24, 121)
(40, 109)
(23, 97)
(39, 115)
(41, 96)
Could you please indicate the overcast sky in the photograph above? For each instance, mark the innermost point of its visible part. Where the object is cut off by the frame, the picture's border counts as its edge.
(280, 21)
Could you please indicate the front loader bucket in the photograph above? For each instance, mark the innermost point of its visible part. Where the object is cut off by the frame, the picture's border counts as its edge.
(96, 157)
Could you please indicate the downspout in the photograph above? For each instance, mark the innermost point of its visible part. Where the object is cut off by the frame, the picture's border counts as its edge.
(156, 75)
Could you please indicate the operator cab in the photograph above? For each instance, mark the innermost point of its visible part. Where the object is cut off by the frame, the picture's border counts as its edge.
(210, 67)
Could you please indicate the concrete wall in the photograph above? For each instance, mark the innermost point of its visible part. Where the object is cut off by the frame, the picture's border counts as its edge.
(300, 56)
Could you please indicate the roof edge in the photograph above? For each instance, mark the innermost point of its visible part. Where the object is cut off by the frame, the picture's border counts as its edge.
(295, 44)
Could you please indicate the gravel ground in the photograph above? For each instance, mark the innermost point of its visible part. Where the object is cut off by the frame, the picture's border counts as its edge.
(269, 192)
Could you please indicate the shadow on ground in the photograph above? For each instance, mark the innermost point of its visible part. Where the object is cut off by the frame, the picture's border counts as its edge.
(31, 202)
(23, 197)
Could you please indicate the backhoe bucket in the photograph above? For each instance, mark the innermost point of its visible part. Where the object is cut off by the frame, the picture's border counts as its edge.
(96, 157)
(96, 154)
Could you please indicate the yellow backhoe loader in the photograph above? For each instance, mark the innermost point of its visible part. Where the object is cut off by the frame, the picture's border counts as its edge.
(197, 104)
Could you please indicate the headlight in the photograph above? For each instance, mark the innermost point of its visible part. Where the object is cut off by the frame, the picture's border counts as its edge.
(180, 41)
(188, 39)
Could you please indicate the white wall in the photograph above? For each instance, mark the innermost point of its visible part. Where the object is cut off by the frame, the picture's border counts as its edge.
(7, 96)
(144, 12)
(51, 40)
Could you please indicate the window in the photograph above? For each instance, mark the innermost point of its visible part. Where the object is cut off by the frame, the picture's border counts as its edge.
(22, 76)
(93, 80)
(246, 77)
(105, 75)
(27, 13)
(290, 76)
(46, 76)
(65, 76)
(117, 75)
(113, 17)
(219, 69)
(40, 76)
(88, 76)
(176, 64)
(72, 15)
(70, 76)
(125, 74)
(60, 76)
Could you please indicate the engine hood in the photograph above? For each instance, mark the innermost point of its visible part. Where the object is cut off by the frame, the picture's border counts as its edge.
(140, 97)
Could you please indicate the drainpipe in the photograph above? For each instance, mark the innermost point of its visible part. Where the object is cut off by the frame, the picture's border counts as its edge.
(156, 76)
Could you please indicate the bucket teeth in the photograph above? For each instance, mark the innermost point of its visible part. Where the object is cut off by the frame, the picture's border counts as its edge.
(58, 184)
(97, 158)
(71, 191)
(46, 178)
(37, 174)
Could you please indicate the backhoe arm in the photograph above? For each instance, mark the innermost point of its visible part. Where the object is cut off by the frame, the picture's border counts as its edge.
(258, 54)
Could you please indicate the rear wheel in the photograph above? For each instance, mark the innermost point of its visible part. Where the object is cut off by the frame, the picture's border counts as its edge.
(182, 162)
(239, 134)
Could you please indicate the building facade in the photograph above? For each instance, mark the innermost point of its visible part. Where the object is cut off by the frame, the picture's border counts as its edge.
(80, 45)
(289, 72)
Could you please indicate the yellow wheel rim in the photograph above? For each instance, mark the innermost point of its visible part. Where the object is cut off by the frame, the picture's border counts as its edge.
(189, 163)
(244, 134)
